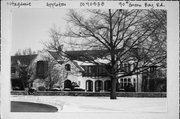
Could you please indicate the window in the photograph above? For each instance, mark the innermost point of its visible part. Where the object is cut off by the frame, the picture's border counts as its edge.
(127, 85)
(129, 67)
(13, 70)
(41, 69)
(68, 67)
(94, 70)
(121, 84)
(125, 82)
(89, 69)
(79, 83)
(89, 85)
(98, 85)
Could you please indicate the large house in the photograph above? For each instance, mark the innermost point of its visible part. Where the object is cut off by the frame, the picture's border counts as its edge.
(51, 69)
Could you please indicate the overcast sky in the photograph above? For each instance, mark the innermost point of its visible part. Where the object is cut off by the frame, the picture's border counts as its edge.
(31, 27)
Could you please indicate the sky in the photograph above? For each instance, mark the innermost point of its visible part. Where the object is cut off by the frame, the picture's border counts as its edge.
(30, 27)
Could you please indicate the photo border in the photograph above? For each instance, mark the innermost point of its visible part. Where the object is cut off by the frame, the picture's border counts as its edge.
(172, 66)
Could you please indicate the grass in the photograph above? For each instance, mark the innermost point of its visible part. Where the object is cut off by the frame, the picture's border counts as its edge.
(17, 106)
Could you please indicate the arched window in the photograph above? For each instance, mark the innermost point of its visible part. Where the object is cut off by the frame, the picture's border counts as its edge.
(68, 67)
(89, 85)
(98, 85)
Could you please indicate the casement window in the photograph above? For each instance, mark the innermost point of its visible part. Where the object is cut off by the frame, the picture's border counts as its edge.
(68, 67)
(94, 70)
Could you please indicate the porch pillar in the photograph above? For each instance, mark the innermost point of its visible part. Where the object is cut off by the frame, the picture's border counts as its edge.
(85, 86)
(94, 86)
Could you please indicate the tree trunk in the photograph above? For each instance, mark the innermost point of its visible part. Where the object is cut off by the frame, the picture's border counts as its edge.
(113, 88)
(113, 62)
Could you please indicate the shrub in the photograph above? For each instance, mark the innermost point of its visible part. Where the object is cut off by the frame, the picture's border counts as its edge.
(41, 88)
(78, 89)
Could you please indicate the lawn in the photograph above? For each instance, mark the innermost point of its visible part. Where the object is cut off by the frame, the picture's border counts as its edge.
(17, 106)
(97, 104)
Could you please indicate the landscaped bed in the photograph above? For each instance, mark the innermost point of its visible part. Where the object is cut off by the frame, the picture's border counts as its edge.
(17, 106)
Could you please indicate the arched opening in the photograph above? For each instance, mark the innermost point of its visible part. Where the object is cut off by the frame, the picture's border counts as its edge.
(89, 85)
(98, 86)
(68, 67)
(67, 84)
(107, 85)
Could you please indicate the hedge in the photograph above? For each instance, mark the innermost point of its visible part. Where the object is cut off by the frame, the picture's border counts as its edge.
(81, 93)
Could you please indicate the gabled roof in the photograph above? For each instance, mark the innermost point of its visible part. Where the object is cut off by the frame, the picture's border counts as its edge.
(78, 55)
(77, 65)
(85, 54)
(24, 60)
(55, 55)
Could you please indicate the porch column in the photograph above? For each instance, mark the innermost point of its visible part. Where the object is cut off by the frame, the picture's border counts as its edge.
(94, 86)
(85, 86)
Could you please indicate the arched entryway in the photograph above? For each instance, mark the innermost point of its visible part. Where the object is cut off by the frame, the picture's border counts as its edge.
(67, 84)
(89, 85)
(98, 85)
(107, 85)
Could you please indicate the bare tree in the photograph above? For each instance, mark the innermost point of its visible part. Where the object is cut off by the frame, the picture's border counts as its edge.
(27, 51)
(126, 36)
(123, 34)
(56, 40)
(55, 73)
(52, 72)
(157, 46)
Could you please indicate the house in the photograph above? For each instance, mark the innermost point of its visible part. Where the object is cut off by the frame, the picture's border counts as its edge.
(52, 69)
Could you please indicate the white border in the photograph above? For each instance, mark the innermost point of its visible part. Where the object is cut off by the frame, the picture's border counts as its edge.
(172, 66)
